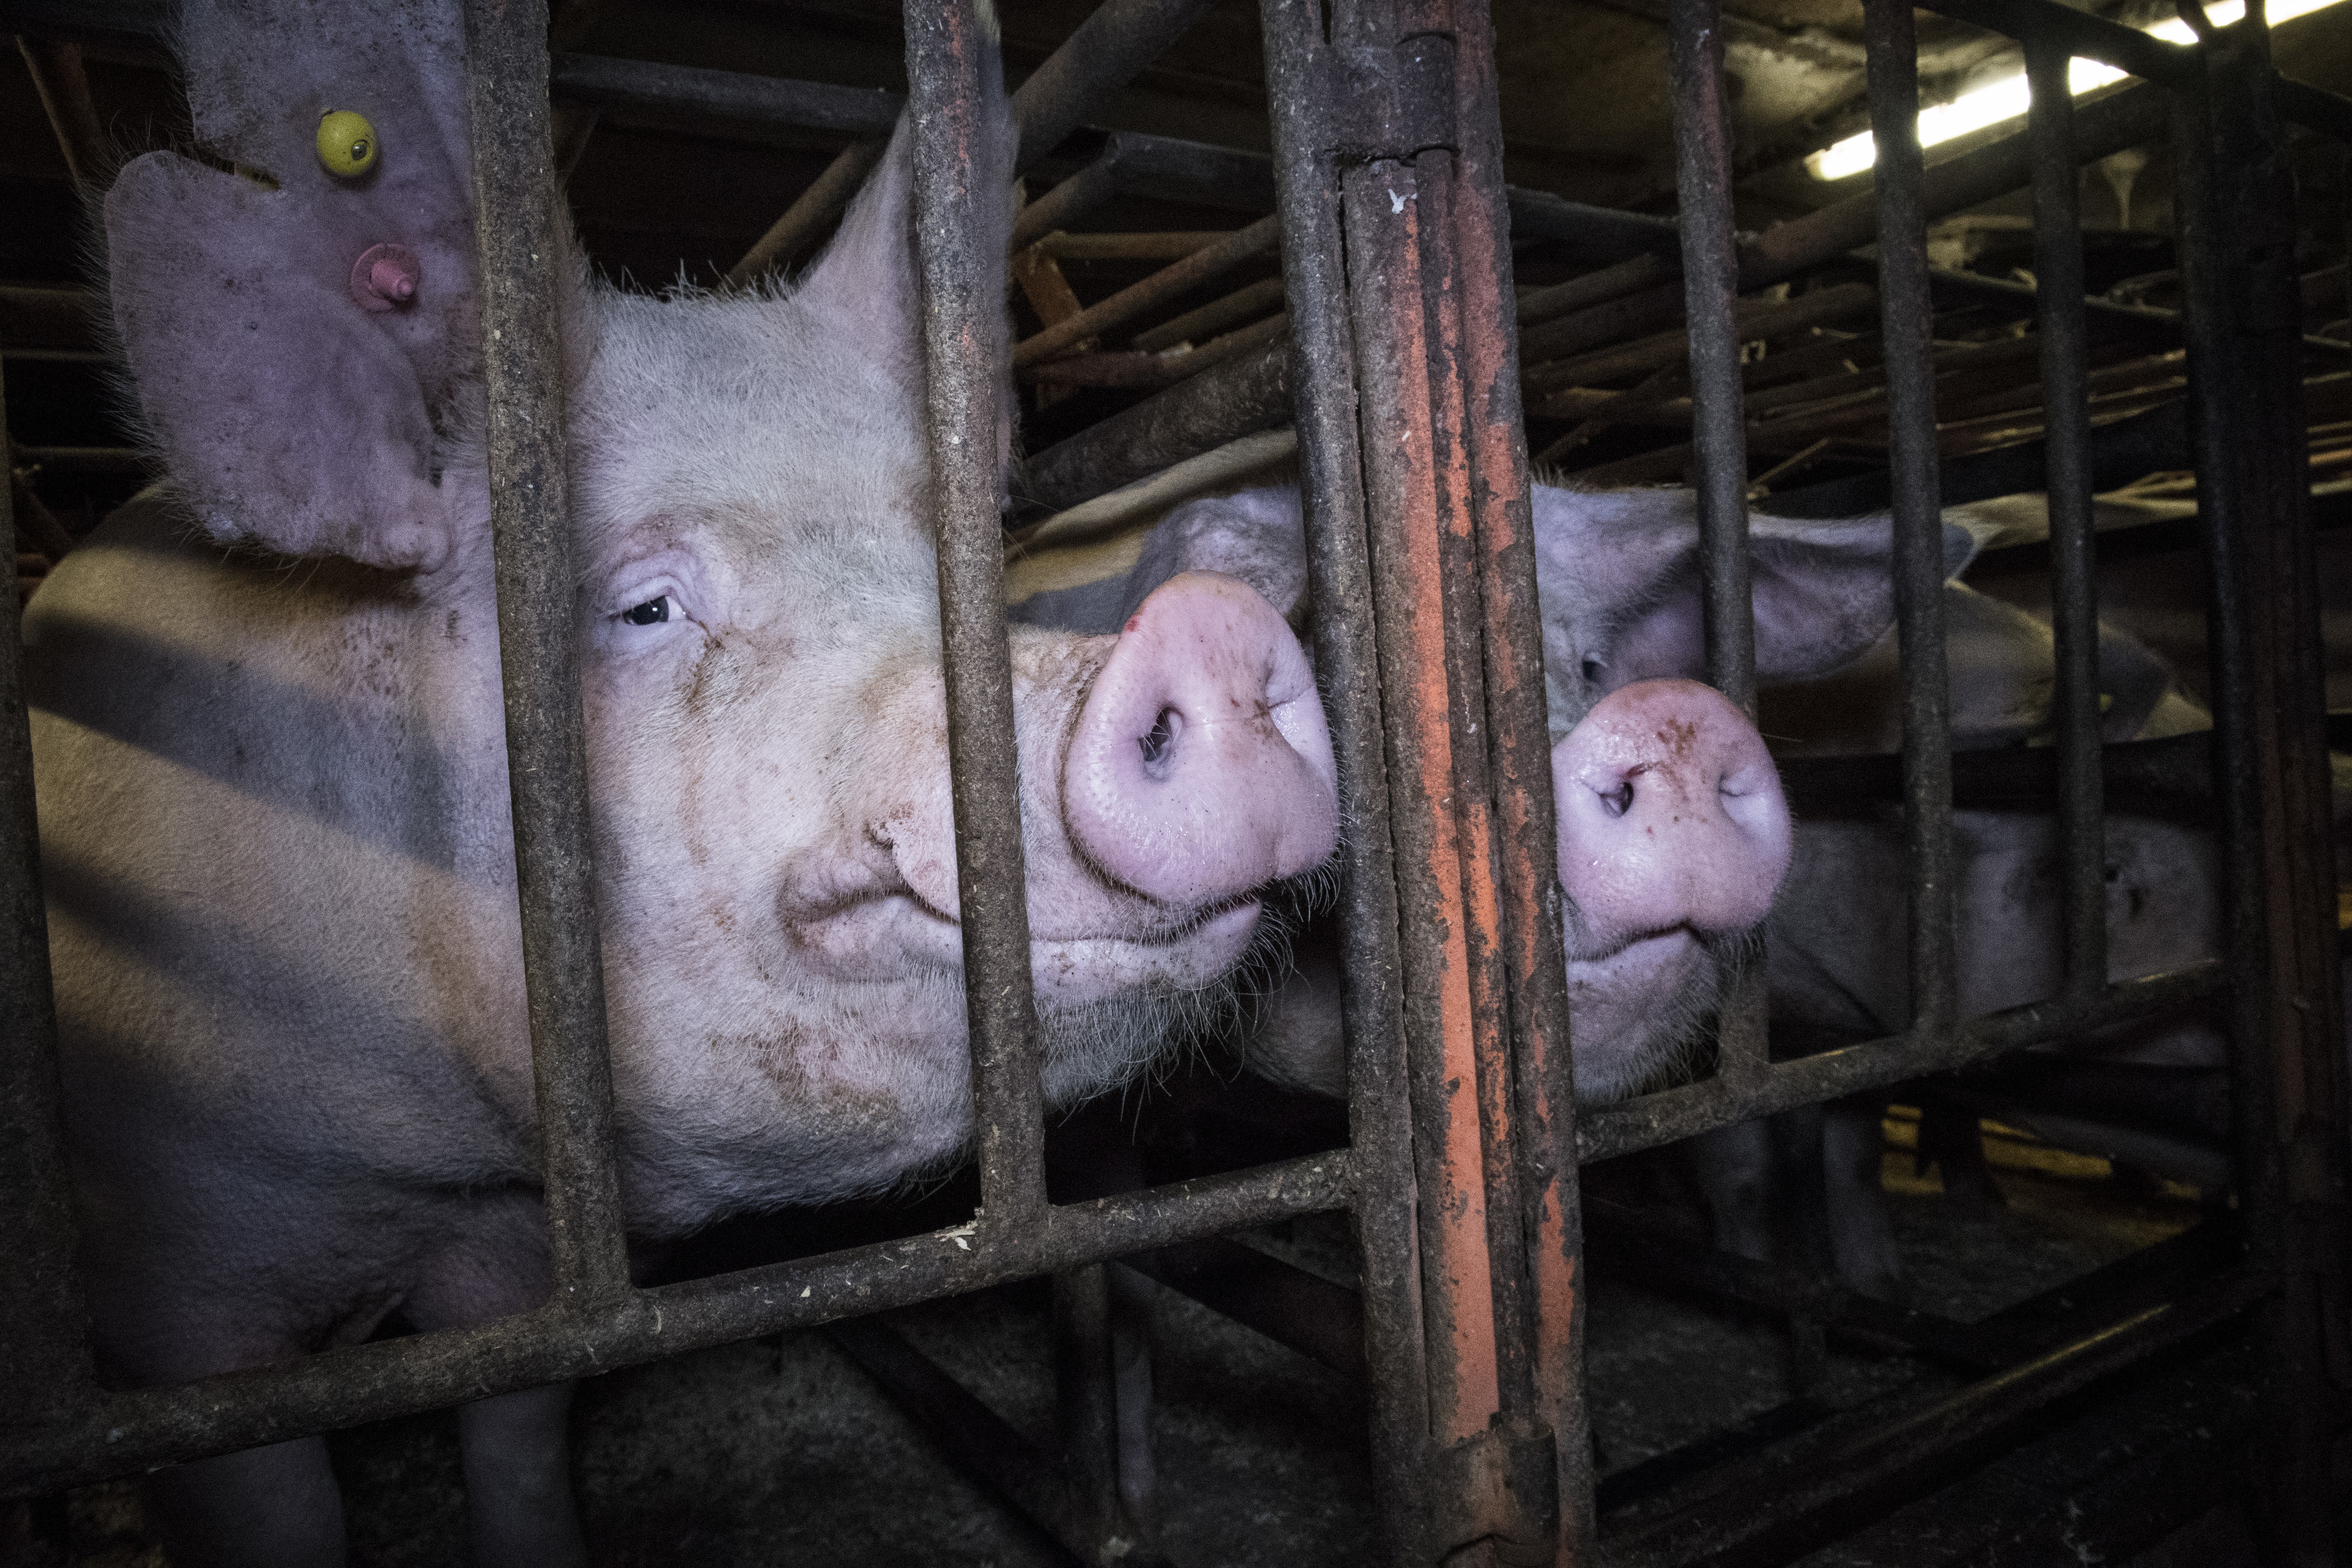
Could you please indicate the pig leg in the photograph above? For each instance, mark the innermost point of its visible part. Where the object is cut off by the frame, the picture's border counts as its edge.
(260, 1509)
(493, 1262)
(1733, 1168)
(1862, 1230)
(518, 1505)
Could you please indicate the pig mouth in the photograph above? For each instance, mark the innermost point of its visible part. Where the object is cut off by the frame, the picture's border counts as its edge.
(894, 933)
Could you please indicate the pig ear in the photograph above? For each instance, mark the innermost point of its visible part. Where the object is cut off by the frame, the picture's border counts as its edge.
(1255, 535)
(867, 286)
(303, 339)
(1825, 591)
(1620, 584)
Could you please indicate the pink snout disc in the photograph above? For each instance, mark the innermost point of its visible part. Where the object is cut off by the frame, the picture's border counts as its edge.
(385, 276)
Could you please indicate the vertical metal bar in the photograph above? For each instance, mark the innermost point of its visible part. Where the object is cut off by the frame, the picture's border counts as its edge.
(957, 169)
(1520, 749)
(1340, 573)
(1710, 285)
(1703, 176)
(45, 1363)
(2066, 421)
(1086, 1403)
(518, 236)
(1907, 316)
(2243, 329)
(1382, 205)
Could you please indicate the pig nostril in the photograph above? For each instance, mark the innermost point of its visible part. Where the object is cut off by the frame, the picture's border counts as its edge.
(1160, 740)
(1619, 801)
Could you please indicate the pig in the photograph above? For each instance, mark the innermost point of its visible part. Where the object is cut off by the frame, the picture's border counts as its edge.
(1661, 911)
(273, 791)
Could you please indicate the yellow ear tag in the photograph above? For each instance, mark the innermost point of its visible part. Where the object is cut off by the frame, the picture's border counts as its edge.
(346, 143)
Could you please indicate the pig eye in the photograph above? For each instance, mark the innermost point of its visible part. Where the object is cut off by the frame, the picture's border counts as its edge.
(1593, 669)
(652, 613)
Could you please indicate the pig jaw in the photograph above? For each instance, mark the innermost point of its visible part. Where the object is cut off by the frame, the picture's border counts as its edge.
(1674, 838)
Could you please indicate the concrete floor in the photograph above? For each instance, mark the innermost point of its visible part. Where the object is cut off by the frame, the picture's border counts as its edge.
(769, 1453)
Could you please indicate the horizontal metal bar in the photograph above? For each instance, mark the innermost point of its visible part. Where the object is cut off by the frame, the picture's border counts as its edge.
(1778, 1512)
(724, 95)
(1306, 1312)
(126, 1432)
(2155, 441)
(1205, 265)
(1650, 1119)
(1244, 394)
(2313, 108)
(2127, 118)
(1605, 234)
(2177, 768)
(2080, 32)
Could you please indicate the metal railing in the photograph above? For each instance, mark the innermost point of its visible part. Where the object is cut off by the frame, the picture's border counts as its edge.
(1399, 364)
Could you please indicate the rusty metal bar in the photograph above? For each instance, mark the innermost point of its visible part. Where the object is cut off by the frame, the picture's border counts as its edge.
(127, 1433)
(1540, 1136)
(1382, 214)
(2236, 212)
(517, 221)
(1779, 1513)
(1118, 40)
(1204, 265)
(1711, 286)
(44, 1360)
(2066, 437)
(1320, 359)
(1608, 1130)
(815, 207)
(1249, 392)
(958, 167)
(1907, 318)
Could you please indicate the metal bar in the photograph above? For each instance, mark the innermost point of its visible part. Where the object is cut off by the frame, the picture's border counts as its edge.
(1086, 1405)
(2126, 119)
(1196, 326)
(1608, 1130)
(1083, 192)
(1778, 1515)
(1633, 275)
(127, 1433)
(2057, 29)
(2171, 775)
(518, 223)
(2236, 209)
(63, 88)
(1711, 281)
(647, 85)
(1303, 1312)
(2066, 421)
(1540, 1136)
(44, 1360)
(1244, 394)
(957, 168)
(1381, 204)
(1348, 669)
(1108, 50)
(1204, 265)
(815, 207)
(1750, 319)
(1907, 330)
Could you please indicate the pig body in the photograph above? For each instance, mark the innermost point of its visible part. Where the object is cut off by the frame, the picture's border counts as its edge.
(271, 759)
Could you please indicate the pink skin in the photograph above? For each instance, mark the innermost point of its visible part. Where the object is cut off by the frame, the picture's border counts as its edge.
(1201, 759)
(385, 275)
(1673, 835)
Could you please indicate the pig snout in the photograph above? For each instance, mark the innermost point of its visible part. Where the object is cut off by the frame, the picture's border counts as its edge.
(1200, 766)
(1671, 816)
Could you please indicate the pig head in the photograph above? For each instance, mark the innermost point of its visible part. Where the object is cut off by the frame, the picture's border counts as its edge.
(271, 764)
(1672, 833)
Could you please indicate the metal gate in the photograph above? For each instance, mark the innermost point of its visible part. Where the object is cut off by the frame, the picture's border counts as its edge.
(1400, 368)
